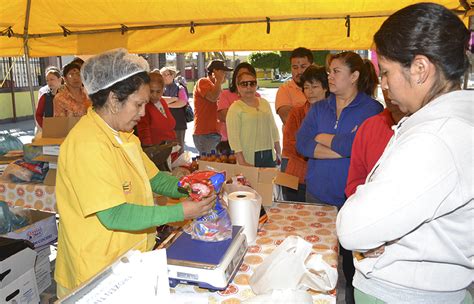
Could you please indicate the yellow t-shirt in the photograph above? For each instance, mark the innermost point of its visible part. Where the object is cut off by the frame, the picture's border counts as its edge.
(96, 173)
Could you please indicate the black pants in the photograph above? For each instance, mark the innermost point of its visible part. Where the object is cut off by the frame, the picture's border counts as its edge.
(349, 270)
(264, 159)
(290, 194)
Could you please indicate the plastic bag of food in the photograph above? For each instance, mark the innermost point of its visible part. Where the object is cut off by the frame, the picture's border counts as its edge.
(17, 173)
(9, 143)
(216, 225)
(9, 221)
(183, 160)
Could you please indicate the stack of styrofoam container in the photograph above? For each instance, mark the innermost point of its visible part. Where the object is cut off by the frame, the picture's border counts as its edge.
(18, 282)
(43, 268)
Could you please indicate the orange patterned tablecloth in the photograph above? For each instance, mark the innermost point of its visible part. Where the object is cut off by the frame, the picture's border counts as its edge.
(315, 223)
(36, 196)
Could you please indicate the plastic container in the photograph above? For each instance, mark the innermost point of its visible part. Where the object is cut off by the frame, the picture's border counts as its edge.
(212, 157)
(223, 158)
(232, 159)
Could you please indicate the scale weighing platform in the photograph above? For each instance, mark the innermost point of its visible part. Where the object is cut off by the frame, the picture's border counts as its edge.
(210, 265)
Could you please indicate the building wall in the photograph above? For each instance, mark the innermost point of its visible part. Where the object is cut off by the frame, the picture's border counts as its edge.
(22, 103)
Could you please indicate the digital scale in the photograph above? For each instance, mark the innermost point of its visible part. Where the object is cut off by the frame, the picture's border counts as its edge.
(210, 265)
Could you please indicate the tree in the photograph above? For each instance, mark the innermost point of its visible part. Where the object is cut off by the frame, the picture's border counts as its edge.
(318, 56)
(264, 60)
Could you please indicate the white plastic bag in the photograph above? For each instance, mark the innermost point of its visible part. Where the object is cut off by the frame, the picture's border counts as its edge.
(282, 297)
(184, 160)
(288, 267)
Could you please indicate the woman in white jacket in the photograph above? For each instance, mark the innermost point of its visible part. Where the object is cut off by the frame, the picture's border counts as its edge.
(413, 220)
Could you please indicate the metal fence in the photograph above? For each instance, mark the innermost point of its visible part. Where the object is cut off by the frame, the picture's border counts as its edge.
(17, 75)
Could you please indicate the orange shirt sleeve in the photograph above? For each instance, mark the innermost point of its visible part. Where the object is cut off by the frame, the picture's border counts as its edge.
(283, 97)
(203, 87)
(59, 105)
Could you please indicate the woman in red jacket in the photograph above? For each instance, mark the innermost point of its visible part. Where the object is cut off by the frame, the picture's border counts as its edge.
(158, 124)
(45, 103)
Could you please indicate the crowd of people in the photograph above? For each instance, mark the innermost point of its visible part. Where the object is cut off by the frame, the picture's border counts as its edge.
(401, 177)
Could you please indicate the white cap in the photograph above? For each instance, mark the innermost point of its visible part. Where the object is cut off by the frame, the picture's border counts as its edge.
(103, 70)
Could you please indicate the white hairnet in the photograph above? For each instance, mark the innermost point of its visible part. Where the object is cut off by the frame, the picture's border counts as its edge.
(103, 70)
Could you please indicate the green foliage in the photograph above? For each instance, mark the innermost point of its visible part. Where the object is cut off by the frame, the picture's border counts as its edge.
(264, 60)
(319, 59)
(285, 62)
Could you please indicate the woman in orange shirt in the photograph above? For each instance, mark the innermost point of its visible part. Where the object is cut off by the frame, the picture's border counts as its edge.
(315, 88)
(72, 99)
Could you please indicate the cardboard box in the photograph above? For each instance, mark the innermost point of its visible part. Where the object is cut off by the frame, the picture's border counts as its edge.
(23, 290)
(43, 268)
(51, 150)
(43, 252)
(50, 178)
(58, 127)
(55, 130)
(47, 158)
(16, 259)
(140, 277)
(261, 179)
(40, 232)
(43, 274)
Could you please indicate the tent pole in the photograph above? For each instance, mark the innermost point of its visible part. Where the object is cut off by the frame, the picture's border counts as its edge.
(12, 88)
(27, 56)
(30, 80)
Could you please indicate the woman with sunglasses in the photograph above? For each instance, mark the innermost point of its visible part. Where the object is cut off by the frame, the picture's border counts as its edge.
(226, 99)
(251, 128)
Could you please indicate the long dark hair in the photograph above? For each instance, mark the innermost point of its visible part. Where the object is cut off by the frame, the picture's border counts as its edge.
(242, 65)
(433, 31)
(121, 89)
(373, 78)
(355, 63)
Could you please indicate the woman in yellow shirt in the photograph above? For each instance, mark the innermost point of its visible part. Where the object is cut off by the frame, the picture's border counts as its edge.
(251, 128)
(105, 181)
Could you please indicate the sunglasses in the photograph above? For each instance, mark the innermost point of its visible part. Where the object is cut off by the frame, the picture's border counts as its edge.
(251, 83)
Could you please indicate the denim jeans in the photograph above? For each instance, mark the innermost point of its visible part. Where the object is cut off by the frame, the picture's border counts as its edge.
(264, 159)
(180, 135)
(206, 142)
(313, 199)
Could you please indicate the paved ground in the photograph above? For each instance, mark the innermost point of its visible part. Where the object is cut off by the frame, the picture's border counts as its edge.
(24, 130)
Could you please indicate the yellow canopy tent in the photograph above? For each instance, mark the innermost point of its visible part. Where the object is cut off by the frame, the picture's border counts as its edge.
(64, 27)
